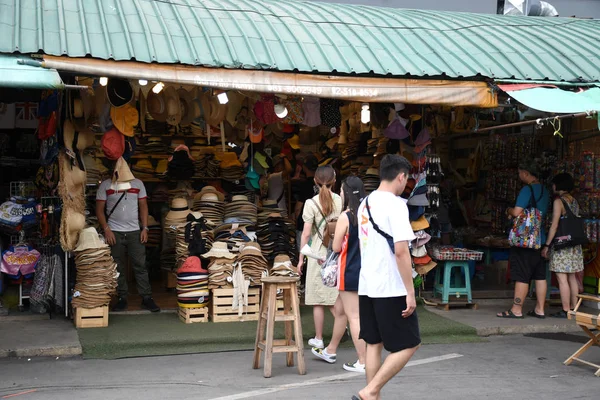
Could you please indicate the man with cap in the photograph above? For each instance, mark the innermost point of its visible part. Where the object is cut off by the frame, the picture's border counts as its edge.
(122, 211)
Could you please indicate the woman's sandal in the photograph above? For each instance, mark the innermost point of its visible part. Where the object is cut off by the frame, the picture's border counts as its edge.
(509, 314)
(532, 313)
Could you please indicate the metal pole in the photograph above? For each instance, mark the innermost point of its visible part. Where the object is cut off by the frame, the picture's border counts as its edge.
(66, 284)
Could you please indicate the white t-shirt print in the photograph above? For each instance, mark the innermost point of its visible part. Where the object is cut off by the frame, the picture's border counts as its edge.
(379, 275)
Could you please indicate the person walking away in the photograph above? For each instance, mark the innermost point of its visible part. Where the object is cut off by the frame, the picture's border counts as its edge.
(318, 211)
(121, 205)
(566, 262)
(528, 264)
(346, 243)
(386, 293)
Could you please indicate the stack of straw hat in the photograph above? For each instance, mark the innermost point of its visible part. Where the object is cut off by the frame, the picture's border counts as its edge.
(192, 284)
(282, 266)
(235, 235)
(220, 268)
(209, 201)
(178, 212)
(269, 207)
(254, 265)
(154, 232)
(241, 209)
(96, 279)
(371, 180)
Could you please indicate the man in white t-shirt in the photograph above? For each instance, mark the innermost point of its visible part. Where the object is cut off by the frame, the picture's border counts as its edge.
(386, 293)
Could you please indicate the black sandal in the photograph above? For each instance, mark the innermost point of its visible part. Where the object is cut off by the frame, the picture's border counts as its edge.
(561, 314)
(509, 314)
(532, 313)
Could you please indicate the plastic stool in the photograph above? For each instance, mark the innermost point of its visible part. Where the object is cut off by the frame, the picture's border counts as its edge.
(443, 285)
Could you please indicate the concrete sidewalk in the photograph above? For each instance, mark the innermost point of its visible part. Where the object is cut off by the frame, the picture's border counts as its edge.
(485, 321)
(38, 336)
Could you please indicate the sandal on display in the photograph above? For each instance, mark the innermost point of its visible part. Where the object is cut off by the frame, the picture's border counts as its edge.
(509, 314)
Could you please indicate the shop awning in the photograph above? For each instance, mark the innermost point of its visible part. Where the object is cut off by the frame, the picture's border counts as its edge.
(307, 37)
(20, 76)
(411, 91)
(554, 100)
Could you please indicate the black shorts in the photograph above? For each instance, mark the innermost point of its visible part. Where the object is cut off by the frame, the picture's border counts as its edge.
(381, 321)
(527, 265)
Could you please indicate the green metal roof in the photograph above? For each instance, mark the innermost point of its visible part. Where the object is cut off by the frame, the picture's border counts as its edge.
(287, 35)
(18, 75)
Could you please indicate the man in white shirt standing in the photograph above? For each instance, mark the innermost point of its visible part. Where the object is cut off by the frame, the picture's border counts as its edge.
(386, 293)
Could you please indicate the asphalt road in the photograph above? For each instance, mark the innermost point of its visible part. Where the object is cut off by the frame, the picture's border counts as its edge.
(510, 367)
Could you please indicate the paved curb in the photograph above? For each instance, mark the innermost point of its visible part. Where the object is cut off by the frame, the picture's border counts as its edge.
(526, 329)
(60, 351)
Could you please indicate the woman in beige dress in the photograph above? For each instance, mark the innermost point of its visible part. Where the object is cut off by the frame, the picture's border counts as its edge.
(316, 293)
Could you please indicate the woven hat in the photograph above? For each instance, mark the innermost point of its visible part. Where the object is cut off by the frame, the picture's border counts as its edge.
(186, 101)
(173, 106)
(119, 92)
(209, 190)
(71, 224)
(113, 144)
(84, 139)
(124, 118)
(89, 239)
(122, 172)
(219, 250)
(157, 106)
(179, 210)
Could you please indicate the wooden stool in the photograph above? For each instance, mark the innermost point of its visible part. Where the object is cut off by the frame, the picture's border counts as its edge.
(587, 322)
(269, 315)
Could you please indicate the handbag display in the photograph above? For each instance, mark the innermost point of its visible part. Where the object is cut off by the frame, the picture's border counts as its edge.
(526, 231)
(571, 230)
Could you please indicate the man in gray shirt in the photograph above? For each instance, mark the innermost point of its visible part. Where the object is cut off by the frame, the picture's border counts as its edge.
(121, 205)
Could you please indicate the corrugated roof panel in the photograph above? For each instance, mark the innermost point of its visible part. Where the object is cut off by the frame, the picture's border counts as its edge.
(305, 36)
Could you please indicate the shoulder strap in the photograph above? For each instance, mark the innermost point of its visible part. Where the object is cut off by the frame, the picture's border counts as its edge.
(375, 226)
(568, 210)
(533, 197)
(115, 206)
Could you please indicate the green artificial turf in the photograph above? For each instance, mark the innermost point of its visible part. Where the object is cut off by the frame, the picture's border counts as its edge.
(163, 334)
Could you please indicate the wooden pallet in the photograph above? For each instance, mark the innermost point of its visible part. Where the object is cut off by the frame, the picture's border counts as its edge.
(433, 302)
(221, 310)
(192, 315)
(91, 317)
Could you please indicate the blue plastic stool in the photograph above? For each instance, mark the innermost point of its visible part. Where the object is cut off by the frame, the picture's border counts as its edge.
(460, 285)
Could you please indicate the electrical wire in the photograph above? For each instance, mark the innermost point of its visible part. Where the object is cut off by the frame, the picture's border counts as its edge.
(395, 28)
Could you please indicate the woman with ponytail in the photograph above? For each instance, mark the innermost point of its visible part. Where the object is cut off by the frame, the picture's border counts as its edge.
(327, 204)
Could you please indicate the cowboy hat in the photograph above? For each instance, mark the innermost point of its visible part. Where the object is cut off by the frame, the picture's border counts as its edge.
(219, 250)
(119, 92)
(89, 239)
(157, 107)
(122, 172)
(173, 106)
(214, 112)
(186, 101)
(124, 119)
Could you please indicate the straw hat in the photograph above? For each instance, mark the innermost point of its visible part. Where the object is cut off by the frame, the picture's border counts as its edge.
(122, 172)
(173, 106)
(124, 118)
(179, 210)
(89, 239)
(219, 250)
(186, 101)
(72, 177)
(239, 197)
(206, 190)
(157, 106)
(214, 112)
(70, 226)
(84, 139)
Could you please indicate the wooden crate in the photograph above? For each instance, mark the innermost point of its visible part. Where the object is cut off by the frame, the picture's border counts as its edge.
(91, 317)
(171, 279)
(221, 310)
(192, 315)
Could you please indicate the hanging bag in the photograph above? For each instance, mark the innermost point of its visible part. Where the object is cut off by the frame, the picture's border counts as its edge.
(387, 236)
(571, 230)
(526, 231)
(329, 268)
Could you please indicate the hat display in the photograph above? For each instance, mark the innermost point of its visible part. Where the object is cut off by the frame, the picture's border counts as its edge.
(113, 144)
(254, 266)
(178, 212)
(124, 118)
(219, 250)
(157, 108)
(283, 266)
(192, 284)
(420, 224)
(276, 235)
(119, 92)
(241, 209)
(209, 201)
(96, 279)
(173, 106)
(220, 271)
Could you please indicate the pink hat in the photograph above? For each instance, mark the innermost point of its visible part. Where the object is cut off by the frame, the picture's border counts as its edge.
(396, 130)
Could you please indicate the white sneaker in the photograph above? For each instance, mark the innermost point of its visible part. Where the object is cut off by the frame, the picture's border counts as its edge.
(318, 343)
(356, 367)
(323, 355)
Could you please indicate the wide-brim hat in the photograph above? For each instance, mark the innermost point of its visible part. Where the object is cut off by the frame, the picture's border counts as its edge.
(122, 172)
(89, 239)
(119, 92)
(124, 119)
(219, 250)
(71, 224)
(419, 224)
(85, 139)
(218, 111)
(186, 100)
(157, 106)
(71, 176)
(172, 105)
(209, 190)
(179, 209)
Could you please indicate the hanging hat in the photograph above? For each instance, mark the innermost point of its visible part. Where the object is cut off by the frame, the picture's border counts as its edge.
(294, 142)
(419, 200)
(255, 134)
(84, 139)
(157, 106)
(234, 106)
(119, 92)
(113, 144)
(217, 112)
(419, 224)
(396, 130)
(186, 101)
(219, 250)
(173, 106)
(422, 238)
(122, 172)
(71, 224)
(420, 251)
(130, 145)
(425, 268)
(124, 118)
(89, 239)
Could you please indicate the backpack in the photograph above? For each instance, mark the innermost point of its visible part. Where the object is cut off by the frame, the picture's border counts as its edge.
(329, 230)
